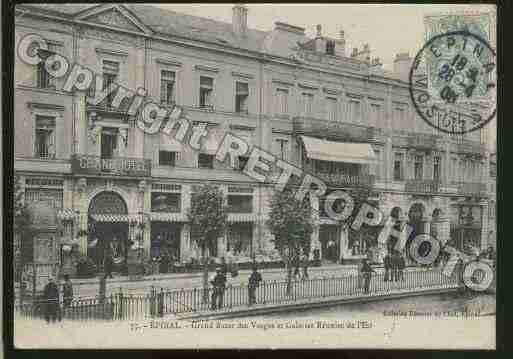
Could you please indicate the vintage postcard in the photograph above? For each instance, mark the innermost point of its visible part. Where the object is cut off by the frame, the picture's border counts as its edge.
(254, 176)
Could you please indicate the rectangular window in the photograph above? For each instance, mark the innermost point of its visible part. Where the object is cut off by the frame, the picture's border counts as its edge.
(240, 204)
(375, 119)
(241, 97)
(110, 75)
(355, 111)
(332, 108)
(419, 167)
(45, 137)
(330, 47)
(167, 158)
(282, 99)
(205, 161)
(437, 168)
(282, 146)
(242, 162)
(206, 92)
(165, 202)
(239, 239)
(109, 142)
(307, 103)
(398, 166)
(167, 85)
(44, 80)
(52, 197)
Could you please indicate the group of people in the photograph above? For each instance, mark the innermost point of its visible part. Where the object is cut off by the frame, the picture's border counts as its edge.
(218, 283)
(51, 298)
(300, 261)
(394, 264)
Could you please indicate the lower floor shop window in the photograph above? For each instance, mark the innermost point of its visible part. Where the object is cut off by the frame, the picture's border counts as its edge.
(240, 238)
(357, 243)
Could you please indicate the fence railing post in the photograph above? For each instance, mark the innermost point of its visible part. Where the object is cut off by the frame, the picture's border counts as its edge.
(161, 303)
(120, 303)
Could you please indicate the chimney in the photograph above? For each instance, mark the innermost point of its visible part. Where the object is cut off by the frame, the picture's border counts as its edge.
(363, 55)
(340, 48)
(240, 19)
(402, 65)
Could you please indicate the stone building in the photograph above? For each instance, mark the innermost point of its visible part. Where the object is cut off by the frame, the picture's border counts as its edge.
(335, 113)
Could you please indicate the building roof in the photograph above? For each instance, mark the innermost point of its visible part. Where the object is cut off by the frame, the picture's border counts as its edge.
(166, 22)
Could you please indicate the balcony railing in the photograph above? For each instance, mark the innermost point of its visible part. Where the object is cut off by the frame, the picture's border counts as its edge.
(471, 188)
(423, 186)
(344, 180)
(334, 129)
(121, 166)
(469, 146)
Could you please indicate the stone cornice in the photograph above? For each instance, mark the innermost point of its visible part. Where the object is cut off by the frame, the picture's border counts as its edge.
(168, 62)
(206, 68)
(45, 106)
(111, 52)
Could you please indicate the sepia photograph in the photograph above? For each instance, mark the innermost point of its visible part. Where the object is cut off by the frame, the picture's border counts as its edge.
(200, 176)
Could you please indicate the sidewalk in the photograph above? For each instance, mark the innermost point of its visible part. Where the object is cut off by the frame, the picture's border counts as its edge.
(313, 271)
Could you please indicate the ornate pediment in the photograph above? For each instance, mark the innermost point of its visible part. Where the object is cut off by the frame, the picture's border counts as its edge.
(114, 18)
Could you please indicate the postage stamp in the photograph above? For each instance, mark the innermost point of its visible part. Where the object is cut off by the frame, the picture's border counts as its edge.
(182, 179)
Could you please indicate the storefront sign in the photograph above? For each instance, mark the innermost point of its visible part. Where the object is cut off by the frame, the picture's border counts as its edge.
(85, 164)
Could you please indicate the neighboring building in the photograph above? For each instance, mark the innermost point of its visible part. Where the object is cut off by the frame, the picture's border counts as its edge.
(341, 117)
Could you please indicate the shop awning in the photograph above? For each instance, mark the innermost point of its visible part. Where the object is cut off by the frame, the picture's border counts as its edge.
(317, 149)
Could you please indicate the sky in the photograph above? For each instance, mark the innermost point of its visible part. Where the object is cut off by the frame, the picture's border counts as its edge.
(388, 28)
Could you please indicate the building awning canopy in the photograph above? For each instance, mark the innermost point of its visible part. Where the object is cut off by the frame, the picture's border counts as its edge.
(317, 149)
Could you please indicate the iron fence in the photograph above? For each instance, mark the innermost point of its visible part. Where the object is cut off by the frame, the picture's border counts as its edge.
(160, 302)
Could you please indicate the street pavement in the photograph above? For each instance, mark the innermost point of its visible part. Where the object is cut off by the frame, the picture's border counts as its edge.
(90, 287)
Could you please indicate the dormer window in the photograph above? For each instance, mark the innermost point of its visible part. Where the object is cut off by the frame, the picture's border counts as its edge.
(330, 47)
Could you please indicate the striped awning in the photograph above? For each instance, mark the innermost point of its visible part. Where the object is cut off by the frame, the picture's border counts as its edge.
(115, 217)
(66, 214)
(242, 217)
(168, 217)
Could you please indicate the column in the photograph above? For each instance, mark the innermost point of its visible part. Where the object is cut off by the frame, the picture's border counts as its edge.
(185, 245)
(388, 159)
(484, 224)
(446, 159)
(344, 242)
(81, 187)
(314, 238)
(145, 208)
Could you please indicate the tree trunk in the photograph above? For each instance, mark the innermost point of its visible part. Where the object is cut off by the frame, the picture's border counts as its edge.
(289, 276)
(205, 273)
(289, 271)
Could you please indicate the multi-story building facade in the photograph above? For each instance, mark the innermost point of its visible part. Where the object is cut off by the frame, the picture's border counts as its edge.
(339, 116)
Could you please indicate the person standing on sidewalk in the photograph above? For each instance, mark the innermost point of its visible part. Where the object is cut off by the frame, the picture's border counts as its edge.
(387, 262)
(218, 284)
(304, 262)
(51, 298)
(254, 281)
(67, 291)
(394, 264)
(401, 264)
(367, 273)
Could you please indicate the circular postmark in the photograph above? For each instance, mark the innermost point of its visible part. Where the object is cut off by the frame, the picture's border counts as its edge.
(455, 91)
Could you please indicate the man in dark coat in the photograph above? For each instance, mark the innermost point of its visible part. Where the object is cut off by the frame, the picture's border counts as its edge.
(67, 291)
(394, 266)
(367, 273)
(218, 284)
(254, 281)
(51, 301)
(304, 262)
(401, 264)
(387, 262)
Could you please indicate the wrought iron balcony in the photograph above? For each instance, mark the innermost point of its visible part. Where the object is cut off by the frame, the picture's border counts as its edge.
(471, 188)
(469, 146)
(334, 129)
(422, 186)
(121, 166)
